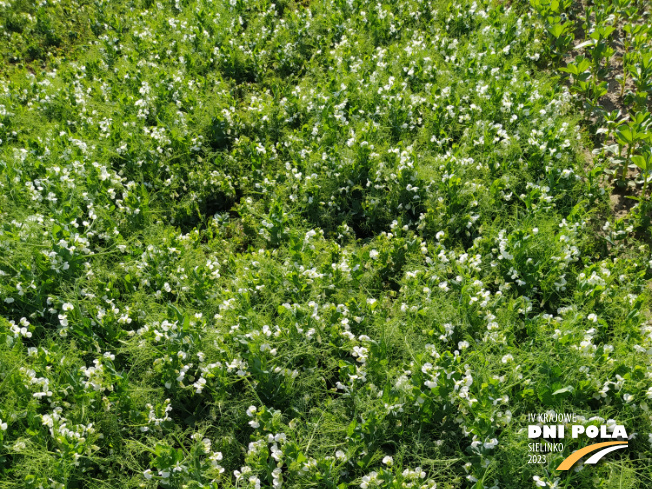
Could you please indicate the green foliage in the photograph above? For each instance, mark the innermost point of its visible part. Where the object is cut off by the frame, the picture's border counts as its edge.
(329, 244)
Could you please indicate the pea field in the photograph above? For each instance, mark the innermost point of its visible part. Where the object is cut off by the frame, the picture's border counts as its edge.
(323, 243)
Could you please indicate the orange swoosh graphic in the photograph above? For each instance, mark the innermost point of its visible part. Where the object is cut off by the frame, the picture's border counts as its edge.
(575, 456)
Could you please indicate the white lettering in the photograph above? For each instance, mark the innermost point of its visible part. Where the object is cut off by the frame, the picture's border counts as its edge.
(619, 432)
(533, 431)
(550, 431)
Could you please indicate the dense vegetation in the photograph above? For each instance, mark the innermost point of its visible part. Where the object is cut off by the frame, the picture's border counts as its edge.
(337, 243)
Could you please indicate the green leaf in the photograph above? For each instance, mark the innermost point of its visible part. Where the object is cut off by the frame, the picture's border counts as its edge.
(556, 30)
(545, 396)
(566, 389)
(625, 135)
(351, 428)
(641, 162)
(585, 44)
